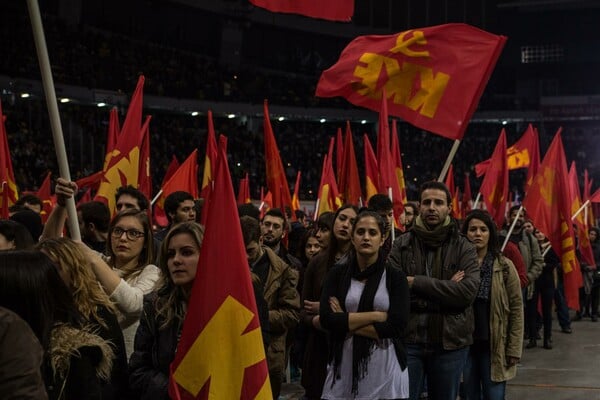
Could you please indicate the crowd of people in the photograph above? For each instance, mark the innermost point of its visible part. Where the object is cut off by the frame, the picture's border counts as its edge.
(356, 305)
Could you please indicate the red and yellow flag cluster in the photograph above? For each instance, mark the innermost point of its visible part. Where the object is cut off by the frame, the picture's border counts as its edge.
(129, 156)
(548, 203)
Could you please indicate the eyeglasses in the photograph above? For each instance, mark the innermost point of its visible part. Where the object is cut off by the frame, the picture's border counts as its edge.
(132, 234)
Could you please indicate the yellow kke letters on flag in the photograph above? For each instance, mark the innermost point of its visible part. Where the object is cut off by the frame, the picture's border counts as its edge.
(434, 76)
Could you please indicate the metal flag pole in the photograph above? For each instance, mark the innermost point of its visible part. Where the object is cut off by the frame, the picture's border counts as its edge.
(49, 90)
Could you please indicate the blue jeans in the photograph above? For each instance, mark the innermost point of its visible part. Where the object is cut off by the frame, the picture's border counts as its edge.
(477, 375)
(442, 368)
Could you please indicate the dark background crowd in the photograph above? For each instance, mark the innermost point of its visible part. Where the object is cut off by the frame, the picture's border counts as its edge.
(232, 54)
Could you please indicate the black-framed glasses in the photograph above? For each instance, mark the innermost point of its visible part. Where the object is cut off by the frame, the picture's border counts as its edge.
(132, 234)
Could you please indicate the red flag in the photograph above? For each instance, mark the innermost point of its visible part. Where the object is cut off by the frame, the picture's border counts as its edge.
(349, 181)
(467, 200)
(585, 247)
(209, 166)
(339, 152)
(328, 195)
(45, 195)
(371, 168)
(434, 76)
(296, 196)
(333, 10)
(185, 178)
(519, 155)
(276, 180)
(453, 192)
(397, 163)
(548, 205)
(244, 192)
(595, 198)
(494, 188)
(7, 176)
(220, 354)
(114, 129)
(587, 189)
(91, 181)
(388, 183)
(159, 212)
(210, 158)
(145, 179)
(534, 164)
(5, 200)
(456, 209)
(122, 168)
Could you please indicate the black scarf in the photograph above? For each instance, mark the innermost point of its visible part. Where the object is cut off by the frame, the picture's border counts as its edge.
(486, 269)
(361, 346)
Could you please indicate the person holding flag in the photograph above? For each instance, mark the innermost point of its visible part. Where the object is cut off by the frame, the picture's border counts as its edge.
(164, 312)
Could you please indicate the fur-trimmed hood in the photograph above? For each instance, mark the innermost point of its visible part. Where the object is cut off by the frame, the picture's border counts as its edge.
(67, 341)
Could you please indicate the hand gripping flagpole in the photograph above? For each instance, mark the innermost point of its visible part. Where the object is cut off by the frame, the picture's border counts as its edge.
(57, 134)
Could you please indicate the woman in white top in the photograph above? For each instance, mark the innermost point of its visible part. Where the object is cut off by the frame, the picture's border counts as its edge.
(127, 274)
(364, 307)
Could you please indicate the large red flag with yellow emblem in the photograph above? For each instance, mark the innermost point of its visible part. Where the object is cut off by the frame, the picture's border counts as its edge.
(7, 176)
(433, 76)
(221, 354)
(548, 204)
(122, 167)
(494, 188)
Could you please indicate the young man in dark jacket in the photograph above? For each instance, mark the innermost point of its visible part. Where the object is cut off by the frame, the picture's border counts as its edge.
(443, 276)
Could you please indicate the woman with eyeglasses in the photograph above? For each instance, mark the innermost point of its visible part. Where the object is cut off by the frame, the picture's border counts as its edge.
(128, 273)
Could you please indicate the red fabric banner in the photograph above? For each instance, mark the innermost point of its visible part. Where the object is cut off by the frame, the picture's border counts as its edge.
(432, 76)
(221, 354)
(494, 188)
(548, 204)
(334, 10)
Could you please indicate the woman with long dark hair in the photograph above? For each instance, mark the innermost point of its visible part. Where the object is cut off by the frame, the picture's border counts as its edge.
(164, 312)
(333, 245)
(498, 311)
(77, 362)
(364, 307)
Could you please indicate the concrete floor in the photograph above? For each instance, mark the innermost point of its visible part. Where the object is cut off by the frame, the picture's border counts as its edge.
(570, 371)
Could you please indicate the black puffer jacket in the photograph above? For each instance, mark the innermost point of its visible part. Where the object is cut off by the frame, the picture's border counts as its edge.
(153, 351)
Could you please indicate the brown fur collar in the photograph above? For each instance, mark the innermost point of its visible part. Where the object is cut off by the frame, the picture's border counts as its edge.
(66, 341)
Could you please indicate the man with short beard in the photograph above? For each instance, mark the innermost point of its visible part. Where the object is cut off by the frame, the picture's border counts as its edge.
(273, 229)
(443, 275)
